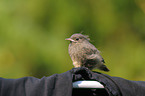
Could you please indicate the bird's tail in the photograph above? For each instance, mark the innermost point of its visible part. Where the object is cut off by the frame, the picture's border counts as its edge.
(104, 68)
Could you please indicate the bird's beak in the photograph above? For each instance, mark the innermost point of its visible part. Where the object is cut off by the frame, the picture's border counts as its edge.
(69, 39)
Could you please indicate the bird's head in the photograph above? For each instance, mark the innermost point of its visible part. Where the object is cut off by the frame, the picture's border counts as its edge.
(78, 38)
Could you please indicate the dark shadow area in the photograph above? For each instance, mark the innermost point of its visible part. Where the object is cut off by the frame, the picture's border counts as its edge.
(89, 92)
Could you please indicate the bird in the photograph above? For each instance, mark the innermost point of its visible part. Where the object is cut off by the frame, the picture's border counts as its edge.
(85, 54)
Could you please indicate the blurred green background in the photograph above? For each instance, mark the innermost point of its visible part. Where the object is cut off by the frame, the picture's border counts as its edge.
(33, 32)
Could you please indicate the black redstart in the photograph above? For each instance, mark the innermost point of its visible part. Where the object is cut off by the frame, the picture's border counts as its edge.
(84, 54)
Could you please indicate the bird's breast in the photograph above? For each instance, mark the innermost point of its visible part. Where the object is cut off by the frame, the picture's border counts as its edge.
(75, 52)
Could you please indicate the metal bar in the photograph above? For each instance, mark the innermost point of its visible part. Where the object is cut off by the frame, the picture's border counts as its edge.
(87, 84)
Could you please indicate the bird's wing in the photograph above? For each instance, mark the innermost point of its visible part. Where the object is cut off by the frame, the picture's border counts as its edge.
(103, 60)
(93, 53)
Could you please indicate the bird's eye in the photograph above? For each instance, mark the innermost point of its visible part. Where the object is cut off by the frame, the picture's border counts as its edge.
(77, 39)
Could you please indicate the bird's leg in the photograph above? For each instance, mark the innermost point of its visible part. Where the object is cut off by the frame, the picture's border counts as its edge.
(76, 64)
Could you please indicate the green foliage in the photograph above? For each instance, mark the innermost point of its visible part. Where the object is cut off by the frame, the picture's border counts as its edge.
(33, 32)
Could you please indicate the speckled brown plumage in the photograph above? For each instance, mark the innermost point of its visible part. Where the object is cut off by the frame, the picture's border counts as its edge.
(83, 53)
